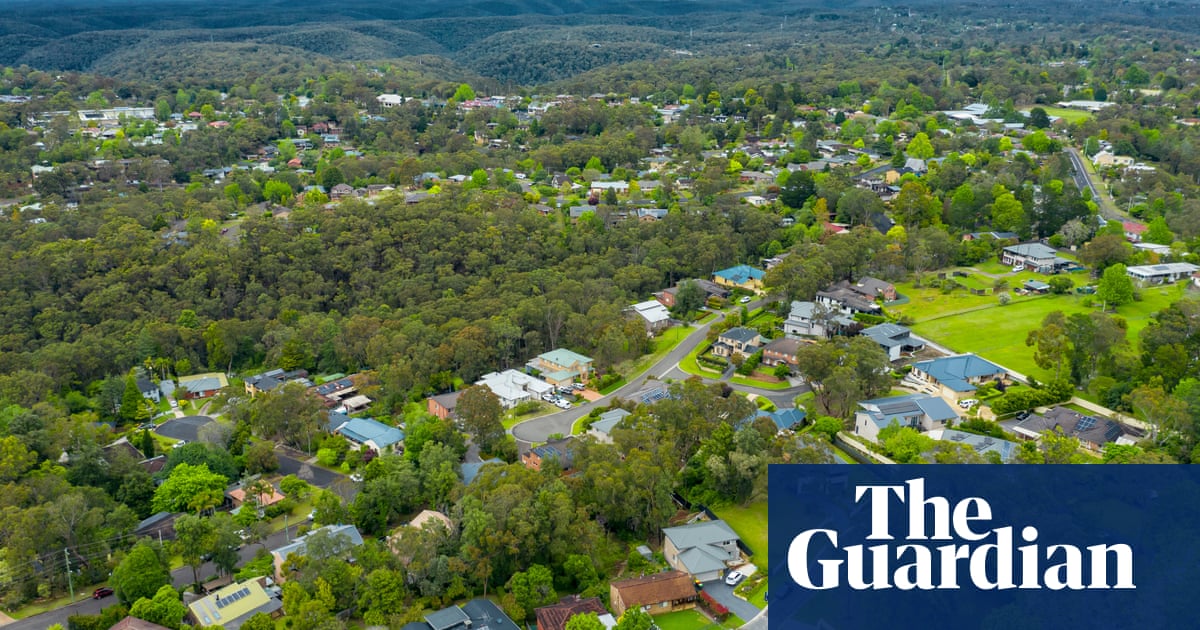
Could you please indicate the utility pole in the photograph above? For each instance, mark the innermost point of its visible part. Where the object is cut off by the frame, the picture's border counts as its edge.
(70, 582)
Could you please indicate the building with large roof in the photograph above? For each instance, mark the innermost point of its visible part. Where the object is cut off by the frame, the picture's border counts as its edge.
(918, 411)
(957, 376)
(229, 607)
(703, 549)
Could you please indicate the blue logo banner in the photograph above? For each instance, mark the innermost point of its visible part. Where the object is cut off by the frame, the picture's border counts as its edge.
(956, 546)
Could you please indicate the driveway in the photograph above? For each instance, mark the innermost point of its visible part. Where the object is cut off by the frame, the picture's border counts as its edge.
(723, 593)
(185, 428)
(315, 475)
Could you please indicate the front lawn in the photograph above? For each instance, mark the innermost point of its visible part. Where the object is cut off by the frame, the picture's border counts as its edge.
(750, 523)
(693, 620)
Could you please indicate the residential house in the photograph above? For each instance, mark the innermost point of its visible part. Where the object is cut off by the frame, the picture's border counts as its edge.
(561, 366)
(133, 623)
(443, 405)
(599, 188)
(809, 319)
(238, 497)
(656, 594)
(345, 536)
(782, 351)
(1133, 230)
(1165, 273)
(894, 339)
(842, 299)
(1035, 286)
(388, 101)
(233, 605)
(122, 446)
(1162, 251)
(982, 444)
(603, 426)
(956, 376)
(784, 419)
(201, 385)
(372, 434)
(738, 341)
(470, 470)
(335, 390)
(919, 411)
(1034, 257)
(556, 616)
(704, 549)
(653, 314)
(341, 191)
(355, 404)
(274, 379)
(477, 614)
(1107, 159)
(148, 389)
(1093, 432)
(999, 236)
(740, 276)
(562, 451)
(513, 387)
(652, 214)
(711, 290)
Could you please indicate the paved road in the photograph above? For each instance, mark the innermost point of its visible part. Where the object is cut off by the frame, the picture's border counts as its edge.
(180, 577)
(1083, 179)
(540, 429)
(723, 593)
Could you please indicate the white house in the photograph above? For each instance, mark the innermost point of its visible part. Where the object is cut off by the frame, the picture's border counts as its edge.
(1165, 273)
(513, 387)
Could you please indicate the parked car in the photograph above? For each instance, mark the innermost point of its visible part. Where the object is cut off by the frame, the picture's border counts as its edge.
(102, 592)
(356, 477)
(562, 404)
(967, 403)
(734, 578)
(745, 300)
(548, 398)
(174, 405)
(579, 386)
(179, 443)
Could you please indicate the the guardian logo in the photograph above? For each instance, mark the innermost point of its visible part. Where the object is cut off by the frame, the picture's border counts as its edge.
(976, 554)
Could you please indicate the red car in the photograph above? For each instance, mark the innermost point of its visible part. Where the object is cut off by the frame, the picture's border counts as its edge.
(103, 591)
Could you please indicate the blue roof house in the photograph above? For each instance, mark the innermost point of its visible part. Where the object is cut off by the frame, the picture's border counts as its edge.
(372, 434)
(919, 411)
(742, 276)
(955, 377)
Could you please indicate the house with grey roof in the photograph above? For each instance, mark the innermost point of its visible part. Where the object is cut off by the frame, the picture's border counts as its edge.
(344, 537)
(1034, 257)
(740, 341)
(954, 377)
(704, 549)
(602, 428)
(981, 444)
(894, 339)
(918, 411)
(1165, 273)
(561, 366)
(478, 613)
(1093, 432)
(810, 319)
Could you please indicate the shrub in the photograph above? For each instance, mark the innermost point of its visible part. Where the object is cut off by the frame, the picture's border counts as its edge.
(715, 608)
(527, 407)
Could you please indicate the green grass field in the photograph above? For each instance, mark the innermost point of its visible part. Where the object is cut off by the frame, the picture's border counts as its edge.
(1072, 116)
(998, 332)
(693, 620)
(750, 523)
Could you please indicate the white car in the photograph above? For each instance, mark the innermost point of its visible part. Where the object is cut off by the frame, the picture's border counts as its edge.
(734, 578)
(967, 403)
(356, 477)
(179, 444)
(562, 404)
(745, 300)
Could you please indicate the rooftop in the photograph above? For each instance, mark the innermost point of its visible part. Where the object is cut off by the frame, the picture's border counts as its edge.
(740, 274)
(363, 430)
(956, 371)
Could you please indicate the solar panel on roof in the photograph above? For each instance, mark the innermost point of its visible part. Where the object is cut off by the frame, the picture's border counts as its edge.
(1085, 423)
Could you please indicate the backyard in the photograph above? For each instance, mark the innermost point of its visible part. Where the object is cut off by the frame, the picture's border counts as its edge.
(692, 620)
(966, 323)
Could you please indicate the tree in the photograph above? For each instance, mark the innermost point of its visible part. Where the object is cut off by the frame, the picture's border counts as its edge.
(689, 298)
(587, 621)
(1158, 232)
(140, 573)
(132, 407)
(798, 189)
(1008, 214)
(635, 619)
(194, 538)
(463, 93)
(533, 588)
(191, 488)
(479, 413)
(1049, 343)
(261, 458)
(164, 609)
(1038, 119)
(1105, 250)
(920, 147)
(1116, 287)
(843, 371)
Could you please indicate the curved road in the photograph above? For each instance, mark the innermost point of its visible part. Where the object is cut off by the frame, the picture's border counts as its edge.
(541, 428)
